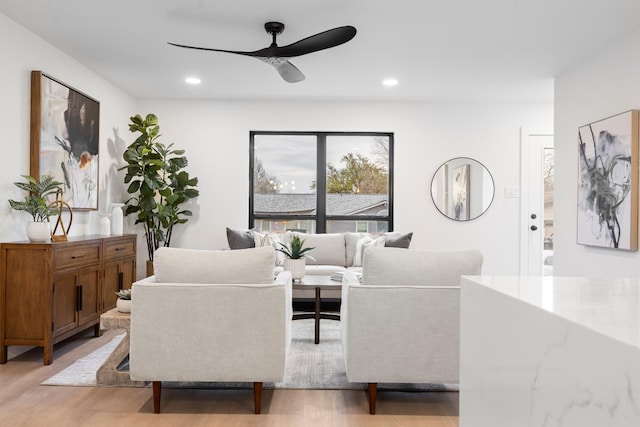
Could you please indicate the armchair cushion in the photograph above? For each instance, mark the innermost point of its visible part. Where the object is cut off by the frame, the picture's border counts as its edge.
(410, 267)
(174, 265)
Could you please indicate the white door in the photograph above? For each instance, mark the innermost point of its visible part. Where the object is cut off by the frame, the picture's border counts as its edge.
(536, 205)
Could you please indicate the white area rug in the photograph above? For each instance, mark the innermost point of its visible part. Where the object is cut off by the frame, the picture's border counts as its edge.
(83, 371)
(309, 365)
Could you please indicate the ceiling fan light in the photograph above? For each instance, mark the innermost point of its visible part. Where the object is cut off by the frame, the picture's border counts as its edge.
(390, 82)
(193, 80)
(273, 60)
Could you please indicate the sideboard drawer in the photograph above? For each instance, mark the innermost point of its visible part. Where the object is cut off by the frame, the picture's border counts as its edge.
(119, 248)
(76, 255)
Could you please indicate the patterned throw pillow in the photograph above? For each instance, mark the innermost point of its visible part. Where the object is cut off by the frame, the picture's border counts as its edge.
(273, 240)
(364, 243)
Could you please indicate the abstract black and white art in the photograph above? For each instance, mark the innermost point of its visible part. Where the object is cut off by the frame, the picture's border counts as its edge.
(65, 139)
(460, 187)
(608, 182)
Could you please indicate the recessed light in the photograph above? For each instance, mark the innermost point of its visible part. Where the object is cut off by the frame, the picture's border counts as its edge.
(192, 80)
(390, 82)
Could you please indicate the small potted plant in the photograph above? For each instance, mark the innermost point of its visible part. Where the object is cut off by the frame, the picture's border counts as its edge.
(295, 257)
(37, 205)
(124, 300)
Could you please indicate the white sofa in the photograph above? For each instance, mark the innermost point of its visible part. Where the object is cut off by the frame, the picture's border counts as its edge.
(401, 323)
(333, 252)
(211, 316)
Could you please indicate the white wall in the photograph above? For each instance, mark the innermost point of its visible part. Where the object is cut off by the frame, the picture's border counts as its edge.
(215, 135)
(23, 52)
(605, 84)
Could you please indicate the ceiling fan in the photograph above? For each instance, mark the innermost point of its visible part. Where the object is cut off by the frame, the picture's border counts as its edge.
(278, 56)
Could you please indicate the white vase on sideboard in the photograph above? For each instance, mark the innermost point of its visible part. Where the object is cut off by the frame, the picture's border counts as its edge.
(117, 219)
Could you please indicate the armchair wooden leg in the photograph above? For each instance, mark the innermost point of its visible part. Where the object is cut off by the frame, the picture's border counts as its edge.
(157, 388)
(257, 396)
(373, 390)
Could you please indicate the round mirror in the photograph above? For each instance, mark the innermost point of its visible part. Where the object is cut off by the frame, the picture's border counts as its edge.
(462, 189)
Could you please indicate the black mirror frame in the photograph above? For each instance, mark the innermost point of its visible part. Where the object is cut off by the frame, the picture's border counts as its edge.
(485, 169)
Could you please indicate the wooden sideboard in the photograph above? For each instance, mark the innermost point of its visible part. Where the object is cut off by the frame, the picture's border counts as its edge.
(51, 291)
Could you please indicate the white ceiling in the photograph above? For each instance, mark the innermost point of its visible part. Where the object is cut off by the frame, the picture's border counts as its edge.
(439, 50)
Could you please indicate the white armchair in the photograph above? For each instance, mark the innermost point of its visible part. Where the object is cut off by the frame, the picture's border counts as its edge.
(211, 316)
(401, 324)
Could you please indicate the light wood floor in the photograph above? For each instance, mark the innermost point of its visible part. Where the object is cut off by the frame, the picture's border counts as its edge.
(24, 402)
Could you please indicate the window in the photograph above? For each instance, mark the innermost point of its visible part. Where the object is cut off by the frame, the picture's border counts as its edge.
(321, 182)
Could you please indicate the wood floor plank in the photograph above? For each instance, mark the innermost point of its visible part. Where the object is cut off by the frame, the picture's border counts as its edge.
(24, 402)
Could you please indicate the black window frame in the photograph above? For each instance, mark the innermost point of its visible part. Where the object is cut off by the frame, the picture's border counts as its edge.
(321, 217)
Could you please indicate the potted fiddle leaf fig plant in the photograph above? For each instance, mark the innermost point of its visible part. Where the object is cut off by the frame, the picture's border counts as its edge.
(158, 184)
(295, 260)
(36, 203)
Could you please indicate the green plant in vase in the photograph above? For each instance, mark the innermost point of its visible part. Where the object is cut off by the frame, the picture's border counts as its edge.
(295, 250)
(157, 183)
(295, 254)
(123, 304)
(36, 203)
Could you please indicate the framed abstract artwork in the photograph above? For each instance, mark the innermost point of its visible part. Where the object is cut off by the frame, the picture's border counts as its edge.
(460, 193)
(608, 182)
(65, 127)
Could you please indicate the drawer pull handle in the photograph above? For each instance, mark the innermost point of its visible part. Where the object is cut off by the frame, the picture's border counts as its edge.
(77, 256)
(120, 249)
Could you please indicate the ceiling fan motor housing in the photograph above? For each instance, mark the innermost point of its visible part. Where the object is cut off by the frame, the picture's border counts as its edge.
(274, 27)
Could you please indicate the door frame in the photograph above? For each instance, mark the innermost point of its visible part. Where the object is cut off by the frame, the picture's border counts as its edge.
(525, 188)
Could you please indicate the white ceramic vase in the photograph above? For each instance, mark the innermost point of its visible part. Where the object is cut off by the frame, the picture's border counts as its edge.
(39, 231)
(123, 305)
(296, 267)
(117, 220)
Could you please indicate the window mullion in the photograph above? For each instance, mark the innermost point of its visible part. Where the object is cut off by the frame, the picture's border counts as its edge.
(321, 187)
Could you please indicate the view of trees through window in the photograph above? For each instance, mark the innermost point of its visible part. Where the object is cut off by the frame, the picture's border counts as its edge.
(321, 182)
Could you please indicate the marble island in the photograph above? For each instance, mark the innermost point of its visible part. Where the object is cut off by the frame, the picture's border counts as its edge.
(552, 351)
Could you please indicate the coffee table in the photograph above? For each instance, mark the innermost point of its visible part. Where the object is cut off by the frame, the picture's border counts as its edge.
(109, 373)
(318, 283)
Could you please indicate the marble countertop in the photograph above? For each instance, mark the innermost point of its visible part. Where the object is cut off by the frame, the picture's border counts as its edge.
(610, 306)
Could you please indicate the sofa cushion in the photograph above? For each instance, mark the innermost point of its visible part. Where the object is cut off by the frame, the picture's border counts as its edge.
(240, 239)
(363, 243)
(242, 266)
(410, 267)
(350, 242)
(328, 248)
(398, 240)
(274, 240)
(392, 238)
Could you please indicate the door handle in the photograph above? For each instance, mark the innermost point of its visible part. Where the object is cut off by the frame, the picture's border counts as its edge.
(534, 228)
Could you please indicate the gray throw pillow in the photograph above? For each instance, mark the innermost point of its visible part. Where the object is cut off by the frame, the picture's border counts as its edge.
(240, 239)
(401, 241)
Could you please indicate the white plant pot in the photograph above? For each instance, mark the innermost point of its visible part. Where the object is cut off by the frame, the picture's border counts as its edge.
(123, 305)
(39, 231)
(296, 267)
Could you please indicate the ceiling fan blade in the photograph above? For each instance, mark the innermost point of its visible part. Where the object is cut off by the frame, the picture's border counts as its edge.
(261, 52)
(320, 41)
(289, 72)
